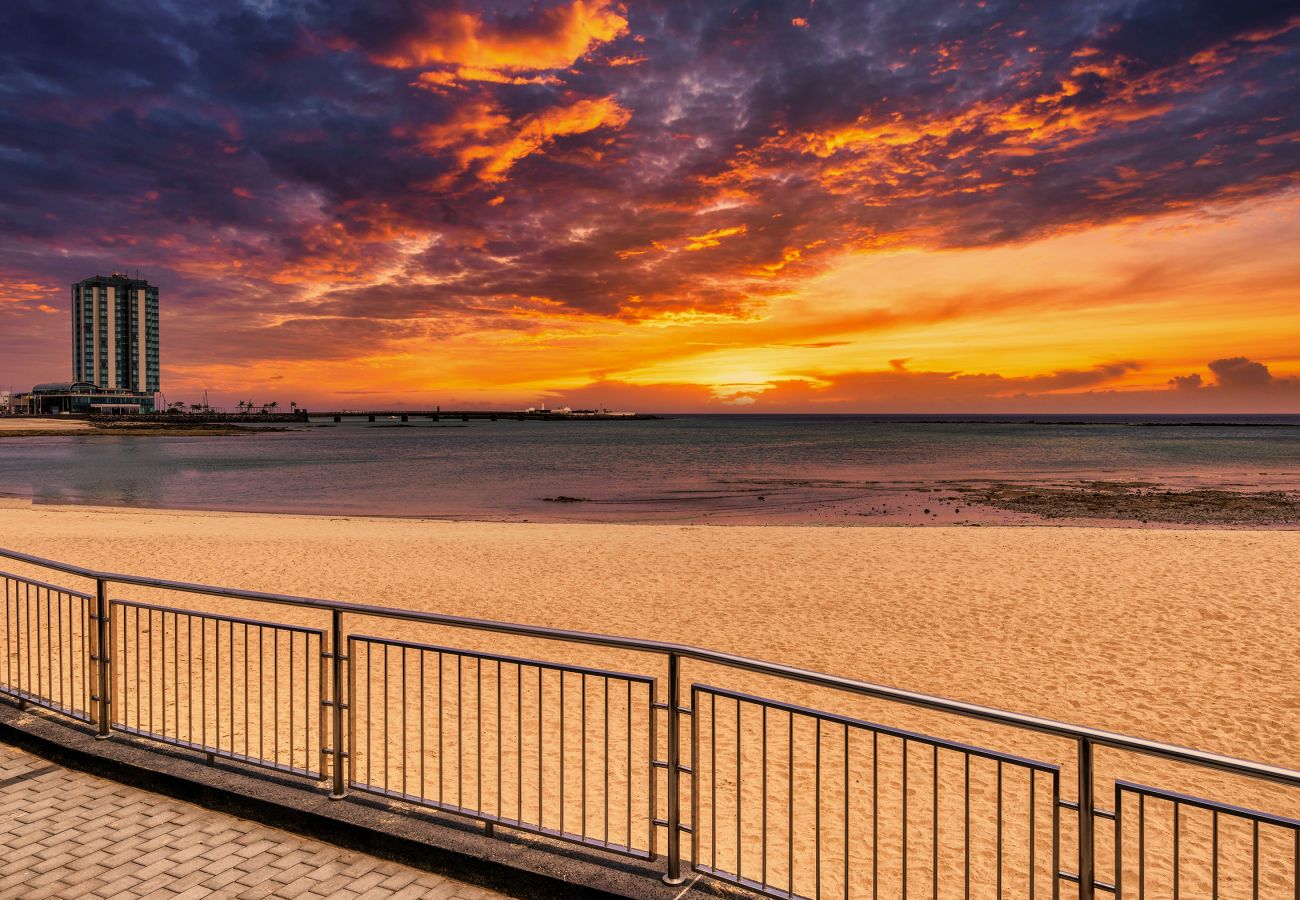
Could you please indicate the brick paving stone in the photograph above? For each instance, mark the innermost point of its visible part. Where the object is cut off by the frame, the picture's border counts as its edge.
(68, 834)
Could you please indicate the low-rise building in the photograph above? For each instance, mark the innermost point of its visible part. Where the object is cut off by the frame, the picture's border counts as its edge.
(80, 398)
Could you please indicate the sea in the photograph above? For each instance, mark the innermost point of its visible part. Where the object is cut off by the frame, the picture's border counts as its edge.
(719, 469)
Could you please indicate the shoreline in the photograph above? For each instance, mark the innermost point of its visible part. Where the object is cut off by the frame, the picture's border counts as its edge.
(987, 503)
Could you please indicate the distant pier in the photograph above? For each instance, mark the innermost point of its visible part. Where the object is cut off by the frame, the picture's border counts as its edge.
(464, 415)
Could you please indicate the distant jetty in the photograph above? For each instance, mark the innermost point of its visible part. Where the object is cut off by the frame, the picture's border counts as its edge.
(563, 414)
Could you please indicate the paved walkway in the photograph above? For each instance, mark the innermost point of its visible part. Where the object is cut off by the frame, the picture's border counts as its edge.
(67, 834)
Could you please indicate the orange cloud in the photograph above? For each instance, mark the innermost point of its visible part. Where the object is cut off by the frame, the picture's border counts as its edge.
(714, 238)
(451, 78)
(477, 49)
(484, 138)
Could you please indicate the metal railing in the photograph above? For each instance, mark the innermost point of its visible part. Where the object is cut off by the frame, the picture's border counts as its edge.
(776, 795)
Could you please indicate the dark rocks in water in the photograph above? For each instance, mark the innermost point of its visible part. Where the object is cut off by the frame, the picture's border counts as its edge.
(1129, 501)
(564, 499)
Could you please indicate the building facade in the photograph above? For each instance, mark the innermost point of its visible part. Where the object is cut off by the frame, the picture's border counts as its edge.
(115, 334)
(81, 398)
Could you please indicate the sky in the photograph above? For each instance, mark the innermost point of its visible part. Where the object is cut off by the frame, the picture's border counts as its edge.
(805, 206)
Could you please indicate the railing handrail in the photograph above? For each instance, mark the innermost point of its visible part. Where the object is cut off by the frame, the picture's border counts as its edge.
(1100, 737)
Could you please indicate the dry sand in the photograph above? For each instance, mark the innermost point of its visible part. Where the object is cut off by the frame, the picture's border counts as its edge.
(1182, 636)
(25, 425)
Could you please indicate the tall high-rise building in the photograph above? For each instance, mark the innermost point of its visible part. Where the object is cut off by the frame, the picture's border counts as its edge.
(115, 333)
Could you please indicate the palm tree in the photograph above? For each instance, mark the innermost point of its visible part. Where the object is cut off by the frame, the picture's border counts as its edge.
(273, 405)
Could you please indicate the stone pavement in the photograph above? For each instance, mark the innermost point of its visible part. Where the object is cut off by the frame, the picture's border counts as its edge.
(68, 834)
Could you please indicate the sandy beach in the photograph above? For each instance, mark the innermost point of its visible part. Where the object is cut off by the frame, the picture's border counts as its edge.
(26, 425)
(1180, 636)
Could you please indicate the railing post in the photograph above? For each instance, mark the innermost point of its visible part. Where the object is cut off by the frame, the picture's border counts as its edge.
(674, 875)
(1087, 840)
(340, 789)
(102, 637)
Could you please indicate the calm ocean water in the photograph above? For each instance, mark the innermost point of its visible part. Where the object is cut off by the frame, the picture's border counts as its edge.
(679, 469)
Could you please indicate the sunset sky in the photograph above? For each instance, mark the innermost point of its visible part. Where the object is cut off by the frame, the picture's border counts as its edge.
(665, 206)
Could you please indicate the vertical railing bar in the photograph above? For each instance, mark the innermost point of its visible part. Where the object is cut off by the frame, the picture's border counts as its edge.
(763, 797)
(48, 653)
(58, 621)
(274, 701)
(104, 672)
(65, 678)
(1177, 810)
(695, 772)
(275, 693)
(1295, 875)
(261, 697)
(34, 637)
(369, 718)
(230, 634)
(1142, 846)
(293, 699)
(189, 678)
(1119, 842)
(817, 811)
(674, 875)
(9, 641)
(1033, 868)
(875, 814)
(563, 772)
(25, 671)
(85, 654)
(541, 769)
(847, 773)
(421, 654)
(500, 807)
(351, 737)
(519, 748)
(162, 668)
(216, 676)
(1056, 834)
(604, 733)
(322, 726)
(934, 820)
(478, 729)
(342, 749)
(130, 654)
(1214, 853)
(43, 689)
(1254, 857)
(161, 682)
(176, 670)
(999, 829)
(385, 739)
(905, 840)
(441, 731)
(713, 780)
(460, 733)
(740, 796)
(966, 826)
(1087, 841)
(203, 683)
(582, 804)
(789, 794)
(404, 748)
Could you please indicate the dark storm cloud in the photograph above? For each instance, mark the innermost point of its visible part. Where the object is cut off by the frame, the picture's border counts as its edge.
(667, 157)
